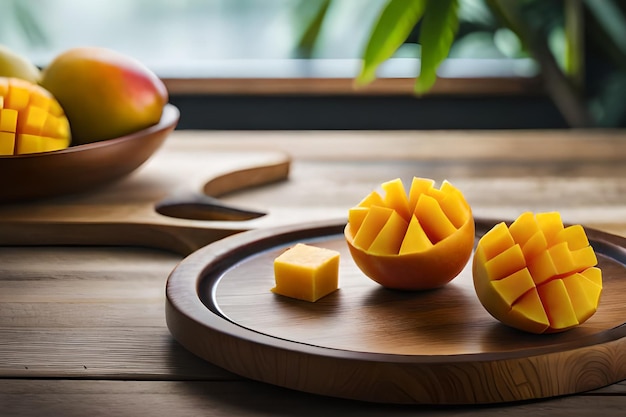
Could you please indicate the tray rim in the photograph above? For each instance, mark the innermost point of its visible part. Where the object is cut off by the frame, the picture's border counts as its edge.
(188, 306)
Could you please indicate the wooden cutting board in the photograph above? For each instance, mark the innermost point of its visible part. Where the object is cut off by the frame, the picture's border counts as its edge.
(367, 343)
(169, 203)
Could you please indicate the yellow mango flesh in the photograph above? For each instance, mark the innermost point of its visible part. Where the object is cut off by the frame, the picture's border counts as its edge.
(537, 275)
(369, 220)
(411, 240)
(306, 272)
(31, 120)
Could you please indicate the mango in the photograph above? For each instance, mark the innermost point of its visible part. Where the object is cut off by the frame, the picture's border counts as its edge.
(411, 241)
(14, 65)
(31, 120)
(104, 93)
(306, 272)
(537, 275)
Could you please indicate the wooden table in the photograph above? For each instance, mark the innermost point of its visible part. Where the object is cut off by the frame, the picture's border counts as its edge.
(82, 328)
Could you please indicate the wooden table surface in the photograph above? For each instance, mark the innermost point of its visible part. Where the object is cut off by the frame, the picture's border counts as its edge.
(82, 329)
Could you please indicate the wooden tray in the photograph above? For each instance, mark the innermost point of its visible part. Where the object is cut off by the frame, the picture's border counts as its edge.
(165, 205)
(367, 343)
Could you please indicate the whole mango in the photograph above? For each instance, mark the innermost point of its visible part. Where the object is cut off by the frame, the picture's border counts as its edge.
(14, 65)
(31, 120)
(105, 94)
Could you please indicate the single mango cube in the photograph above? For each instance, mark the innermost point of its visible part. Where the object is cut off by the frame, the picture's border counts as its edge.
(306, 272)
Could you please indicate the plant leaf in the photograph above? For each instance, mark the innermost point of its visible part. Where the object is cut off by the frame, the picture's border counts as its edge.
(439, 27)
(611, 19)
(313, 29)
(394, 25)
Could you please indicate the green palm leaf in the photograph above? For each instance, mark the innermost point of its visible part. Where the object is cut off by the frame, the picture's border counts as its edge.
(394, 25)
(439, 27)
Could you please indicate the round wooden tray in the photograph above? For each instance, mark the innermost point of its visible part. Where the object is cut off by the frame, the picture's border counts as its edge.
(82, 167)
(368, 343)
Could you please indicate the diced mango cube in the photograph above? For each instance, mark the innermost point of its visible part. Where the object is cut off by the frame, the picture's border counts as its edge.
(356, 215)
(54, 144)
(593, 274)
(372, 199)
(505, 263)
(8, 120)
(557, 304)
(32, 120)
(535, 245)
(496, 241)
(454, 205)
(415, 239)
(584, 258)
(542, 267)
(395, 198)
(584, 295)
(575, 237)
(551, 225)
(513, 286)
(7, 143)
(306, 272)
(18, 96)
(372, 224)
(562, 258)
(29, 144)
(434, 221)
(529, 314)
(419, 186)
(389, 239)
(523, 228)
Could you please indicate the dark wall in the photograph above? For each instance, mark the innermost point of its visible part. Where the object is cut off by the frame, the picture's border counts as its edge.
(365, 112)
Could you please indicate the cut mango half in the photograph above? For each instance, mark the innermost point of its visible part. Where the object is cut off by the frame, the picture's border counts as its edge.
(31, 119)
(415, 240)
(537, 275)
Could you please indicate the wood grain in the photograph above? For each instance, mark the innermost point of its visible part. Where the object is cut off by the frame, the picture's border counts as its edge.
(175, 210)
(345, 86)
(247, 398)
(90, 313)
(50, 296)
(367, 343)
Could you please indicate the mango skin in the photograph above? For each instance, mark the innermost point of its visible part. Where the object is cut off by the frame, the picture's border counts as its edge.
(421, 270)
(14, 65)
(105, 94)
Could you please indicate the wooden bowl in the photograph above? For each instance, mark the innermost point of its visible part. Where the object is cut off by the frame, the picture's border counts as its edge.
(83, 167)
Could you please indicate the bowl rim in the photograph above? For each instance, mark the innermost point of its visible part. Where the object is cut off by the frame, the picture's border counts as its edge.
(169, 117)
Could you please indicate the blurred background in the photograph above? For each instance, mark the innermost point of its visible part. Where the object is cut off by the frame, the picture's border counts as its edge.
(291, 64)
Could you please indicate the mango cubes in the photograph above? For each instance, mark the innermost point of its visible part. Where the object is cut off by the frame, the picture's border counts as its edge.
(31, 119)
(306, 272)
(411, 241)
(537, 275)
